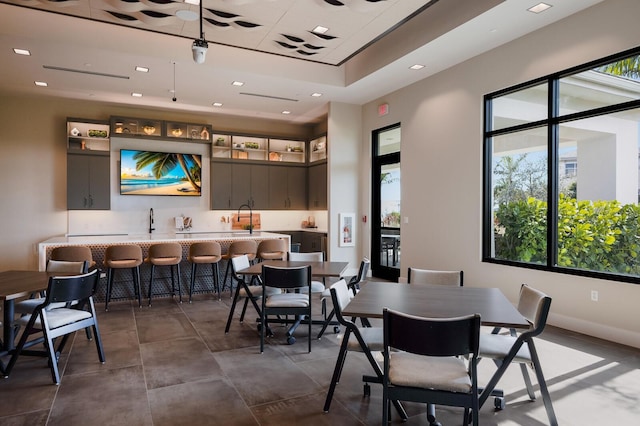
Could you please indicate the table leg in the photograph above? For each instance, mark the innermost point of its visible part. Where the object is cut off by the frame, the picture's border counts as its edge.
(8, 335)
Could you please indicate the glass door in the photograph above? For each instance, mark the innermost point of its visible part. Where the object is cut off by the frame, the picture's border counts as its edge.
(386, 200)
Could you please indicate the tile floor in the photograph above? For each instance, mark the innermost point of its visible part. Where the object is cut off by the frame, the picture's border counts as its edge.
(172, 364)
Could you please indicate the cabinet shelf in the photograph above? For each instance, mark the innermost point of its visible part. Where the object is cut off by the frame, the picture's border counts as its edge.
(85, 135)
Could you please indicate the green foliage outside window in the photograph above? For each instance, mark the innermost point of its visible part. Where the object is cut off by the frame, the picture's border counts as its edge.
(593, 235)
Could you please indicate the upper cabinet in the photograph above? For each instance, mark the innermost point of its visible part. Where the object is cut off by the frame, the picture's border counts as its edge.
(148, 128)
(256, 148)
(84, 135)
(318, 149)
(287, 150)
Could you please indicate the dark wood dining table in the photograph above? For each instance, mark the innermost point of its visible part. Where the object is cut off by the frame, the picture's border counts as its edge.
(434, 301)
(318, 269)
(15, 285)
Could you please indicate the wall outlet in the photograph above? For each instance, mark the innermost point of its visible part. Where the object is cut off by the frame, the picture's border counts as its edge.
(594, 295)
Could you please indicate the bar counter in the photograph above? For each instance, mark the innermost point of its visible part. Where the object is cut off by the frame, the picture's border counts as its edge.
(99, 243)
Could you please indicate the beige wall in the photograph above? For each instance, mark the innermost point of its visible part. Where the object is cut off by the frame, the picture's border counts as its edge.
(33, 172)
(442, 166)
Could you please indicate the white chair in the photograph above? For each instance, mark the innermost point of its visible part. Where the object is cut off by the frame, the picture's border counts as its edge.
(317, 256)
(505, 349)
(434, 277)
(246, 291)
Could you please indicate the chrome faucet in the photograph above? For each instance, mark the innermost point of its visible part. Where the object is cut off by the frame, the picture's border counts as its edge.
(151, 228)
(250, 216)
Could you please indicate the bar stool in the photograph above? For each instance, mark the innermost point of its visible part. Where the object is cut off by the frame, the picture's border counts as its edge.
(275, 249)
(73, 254)
(238, 248)
(123, 257)
(165, 254)
(205, 253)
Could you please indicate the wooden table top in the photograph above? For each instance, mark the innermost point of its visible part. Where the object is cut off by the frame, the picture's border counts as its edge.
(318, 269)
(435, 302)
(16, 284)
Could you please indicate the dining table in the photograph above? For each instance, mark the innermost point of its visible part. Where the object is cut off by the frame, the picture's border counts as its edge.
(16, 285)
(436, 301)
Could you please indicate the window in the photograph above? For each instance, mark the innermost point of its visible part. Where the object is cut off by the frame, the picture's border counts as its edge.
(561, 171)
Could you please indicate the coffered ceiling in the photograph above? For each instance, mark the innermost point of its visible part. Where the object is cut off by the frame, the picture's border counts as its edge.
(88, 49)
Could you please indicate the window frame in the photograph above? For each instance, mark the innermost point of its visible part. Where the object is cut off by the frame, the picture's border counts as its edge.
(552, 123)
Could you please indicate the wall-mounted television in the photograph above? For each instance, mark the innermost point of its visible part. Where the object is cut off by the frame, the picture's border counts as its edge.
(160, 173)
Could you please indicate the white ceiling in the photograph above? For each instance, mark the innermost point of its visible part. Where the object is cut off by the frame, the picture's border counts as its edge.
(80, 51)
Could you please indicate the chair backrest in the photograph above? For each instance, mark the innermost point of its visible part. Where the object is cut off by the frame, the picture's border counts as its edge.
(316, 256)
(123, 252)
(534, 305)
(239, 263)
(273, 249)
(433, 277)
(341, 296)
(163, 250)
(65, 289)
(72, 254)
(240, 247)
(288, 278)
(362, 272)
(70, 267)
(206, 248)
(431, 336)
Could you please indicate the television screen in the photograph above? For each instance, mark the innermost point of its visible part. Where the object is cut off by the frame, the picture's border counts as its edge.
(159, 173)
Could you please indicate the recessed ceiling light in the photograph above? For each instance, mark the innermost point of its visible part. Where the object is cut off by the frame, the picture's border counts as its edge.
(316, 95)
(416, 67)
(136, 95)
(286, 112)
(237, 83)
(320, 29)
(41, 84)
(217, 104)
(142, 69)
(24, 52)
(540, 7)
(196, 2)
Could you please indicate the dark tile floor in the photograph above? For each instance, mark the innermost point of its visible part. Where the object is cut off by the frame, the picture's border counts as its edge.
(172, 364)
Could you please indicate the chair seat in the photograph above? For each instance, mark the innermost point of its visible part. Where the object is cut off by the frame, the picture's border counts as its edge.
(204, 259)
(256, 291)
(443, 373)
(59, 317)
(316, 287)
(373, 337)
(163, 261)
(123, 263)
(497, 346)
(29, 305)
(287, 300)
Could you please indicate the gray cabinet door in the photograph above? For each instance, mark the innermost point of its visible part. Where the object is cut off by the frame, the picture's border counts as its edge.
(287, 188)
(221, 186)
(88, 182)
(250, 185)
(318, 187)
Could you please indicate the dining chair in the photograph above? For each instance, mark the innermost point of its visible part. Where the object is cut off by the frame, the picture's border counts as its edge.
(434, 277)
(431, 360)
(165, 254)
(316, 256)
(247, 291)
(365, 340)
(119, 257)
(203, 253)
(27, 306)
(354, 285)
(534, 305)
(62, 321)
(289, 302)
(238, 248)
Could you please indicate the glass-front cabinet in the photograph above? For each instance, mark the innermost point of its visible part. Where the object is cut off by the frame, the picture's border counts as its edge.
(318, 149)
